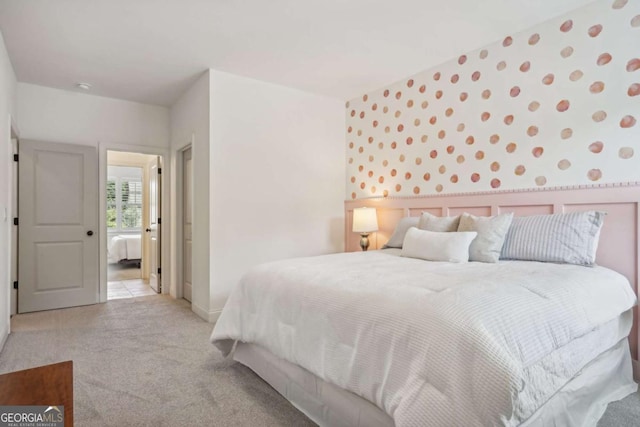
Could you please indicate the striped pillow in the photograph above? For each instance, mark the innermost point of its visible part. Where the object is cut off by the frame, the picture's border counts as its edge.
(570, 238)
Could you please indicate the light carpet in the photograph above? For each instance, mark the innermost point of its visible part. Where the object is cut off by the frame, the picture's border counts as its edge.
(147, 361)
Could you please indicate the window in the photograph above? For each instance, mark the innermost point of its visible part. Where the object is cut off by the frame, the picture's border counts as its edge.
(112, 205)
(131, 203)
(124, 199)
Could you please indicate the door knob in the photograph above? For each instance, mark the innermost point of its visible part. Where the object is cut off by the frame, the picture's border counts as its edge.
(89, 233)
(148, 230)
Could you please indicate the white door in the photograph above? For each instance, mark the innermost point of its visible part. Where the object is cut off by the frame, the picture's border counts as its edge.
(155, 182)
(58, 233)
(187, 216)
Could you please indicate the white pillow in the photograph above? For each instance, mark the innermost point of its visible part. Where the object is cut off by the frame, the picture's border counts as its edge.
(438, 223)
(491, 233)
(396, 239)
(437, 246)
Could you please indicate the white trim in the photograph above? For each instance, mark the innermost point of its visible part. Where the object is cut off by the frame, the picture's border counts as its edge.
(513, 190)
(177, 291)
(12, 186)
(209, 316)
(4, 336)
(165, 214)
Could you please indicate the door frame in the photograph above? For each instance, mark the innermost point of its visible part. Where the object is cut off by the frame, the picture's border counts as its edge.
(165, 211)
(179, 182)
(12, 230)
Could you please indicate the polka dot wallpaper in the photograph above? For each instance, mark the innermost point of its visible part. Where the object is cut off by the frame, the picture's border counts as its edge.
(552, 106)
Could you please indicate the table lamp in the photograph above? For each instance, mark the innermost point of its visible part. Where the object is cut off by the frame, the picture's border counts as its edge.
(365, 221)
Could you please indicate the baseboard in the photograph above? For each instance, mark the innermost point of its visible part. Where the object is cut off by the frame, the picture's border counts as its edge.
(636, 370)
(4, 336)
(209, 316)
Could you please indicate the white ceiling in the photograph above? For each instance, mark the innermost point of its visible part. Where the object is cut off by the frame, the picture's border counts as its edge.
(151, 50)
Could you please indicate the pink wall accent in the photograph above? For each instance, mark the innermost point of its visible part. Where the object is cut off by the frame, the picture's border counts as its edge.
(618, 249)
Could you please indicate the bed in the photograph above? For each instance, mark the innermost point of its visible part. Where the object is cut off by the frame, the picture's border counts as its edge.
(378, 339)
(125, 249)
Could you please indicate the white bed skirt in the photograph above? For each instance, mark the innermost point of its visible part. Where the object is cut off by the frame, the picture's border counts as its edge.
(581, 402)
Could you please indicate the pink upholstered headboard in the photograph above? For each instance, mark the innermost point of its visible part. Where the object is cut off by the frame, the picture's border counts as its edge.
(619, 247)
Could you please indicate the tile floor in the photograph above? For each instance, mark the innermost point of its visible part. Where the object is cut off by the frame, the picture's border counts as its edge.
(128, 289)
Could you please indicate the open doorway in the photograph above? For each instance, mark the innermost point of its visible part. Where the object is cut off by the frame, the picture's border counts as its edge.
(133, 224)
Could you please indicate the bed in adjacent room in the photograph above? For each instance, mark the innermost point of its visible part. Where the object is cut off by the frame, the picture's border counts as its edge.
(403, 336)
(125, 249)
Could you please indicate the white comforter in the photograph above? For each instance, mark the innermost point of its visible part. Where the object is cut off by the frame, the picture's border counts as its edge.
(124, 247)
(431, 344)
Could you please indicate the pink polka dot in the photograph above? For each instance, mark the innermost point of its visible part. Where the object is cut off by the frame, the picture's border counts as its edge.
(634, 89)
(548, 79)
(599, 116)
(566, 26)
(566, 52)
(604, 59)
(563, 105)
(596, 87)
(633, 65)
(525, 66)
(495, 183)
(595, 30)
(594, 174)
(462, 59)
(596, 147)
(576, 75)
(534, 39)
(515, 91)
(627, 122)
(507, 41)
(619, 4)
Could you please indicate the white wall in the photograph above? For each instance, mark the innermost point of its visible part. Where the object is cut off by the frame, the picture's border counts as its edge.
(277, 177)
(190, 124)
(76, 118)
(7, 110)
